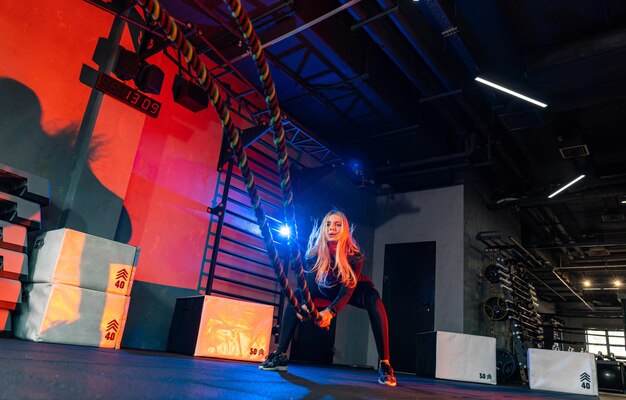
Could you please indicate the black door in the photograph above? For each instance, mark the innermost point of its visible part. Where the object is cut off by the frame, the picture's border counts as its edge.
(409, 297)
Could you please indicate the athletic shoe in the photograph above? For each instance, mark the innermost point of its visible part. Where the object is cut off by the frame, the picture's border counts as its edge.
(276, 361)
(385, 375)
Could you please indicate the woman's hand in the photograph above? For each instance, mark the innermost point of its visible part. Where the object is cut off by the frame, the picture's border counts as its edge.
(326, 317)
(305, 308)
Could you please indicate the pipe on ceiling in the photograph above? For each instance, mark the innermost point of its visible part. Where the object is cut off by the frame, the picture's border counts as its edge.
(375, 18)
(555, 222)
(580, 244)
(541, 201)
(404, 26)
(446, 168)
(386, 45)
(592, 266)
(400, 21)
(441, 18)
(540, 221)
(572, 290)
(302, 27)
(470, 149)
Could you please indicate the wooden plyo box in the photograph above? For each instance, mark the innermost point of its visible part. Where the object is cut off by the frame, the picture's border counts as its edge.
(562, 371)
(456, 356)
(69, 257)
(56, 313)
(219, 327)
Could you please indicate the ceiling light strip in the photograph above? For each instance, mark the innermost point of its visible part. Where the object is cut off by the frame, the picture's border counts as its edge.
(566, 186)
(511, 92)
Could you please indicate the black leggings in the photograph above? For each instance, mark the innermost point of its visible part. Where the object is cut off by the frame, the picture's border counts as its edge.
(365, 296)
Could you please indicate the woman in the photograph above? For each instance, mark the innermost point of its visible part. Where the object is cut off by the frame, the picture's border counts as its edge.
(333, 272)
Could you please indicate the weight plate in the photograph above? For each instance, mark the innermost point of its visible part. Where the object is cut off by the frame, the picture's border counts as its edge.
(506, 365)
(491, 273)
(496, 308)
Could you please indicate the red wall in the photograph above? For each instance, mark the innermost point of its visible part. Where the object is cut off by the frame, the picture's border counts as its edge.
(164, 169)
(172, 182)
(161, 173)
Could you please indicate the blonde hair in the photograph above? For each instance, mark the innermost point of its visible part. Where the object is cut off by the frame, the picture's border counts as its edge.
(346, 247)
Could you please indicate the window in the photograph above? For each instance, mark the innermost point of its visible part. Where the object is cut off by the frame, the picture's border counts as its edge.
(606, 342)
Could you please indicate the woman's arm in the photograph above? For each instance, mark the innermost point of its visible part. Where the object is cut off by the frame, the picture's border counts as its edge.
(345, 292)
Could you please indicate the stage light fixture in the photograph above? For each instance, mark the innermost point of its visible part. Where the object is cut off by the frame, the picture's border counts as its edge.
(511, 92)
(617, 283)
(189, 95)
(566, 186)
(150, 79)
(130, 66)
(586, 283)
(127, 65)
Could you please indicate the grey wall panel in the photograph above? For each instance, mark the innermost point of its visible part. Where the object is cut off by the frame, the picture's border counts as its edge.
(430, 215)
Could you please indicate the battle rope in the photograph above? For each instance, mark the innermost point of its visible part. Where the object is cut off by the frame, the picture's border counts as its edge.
(167, 24)
(269, 90)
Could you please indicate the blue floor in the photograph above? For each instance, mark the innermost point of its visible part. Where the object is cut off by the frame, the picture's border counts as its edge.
(51, 371)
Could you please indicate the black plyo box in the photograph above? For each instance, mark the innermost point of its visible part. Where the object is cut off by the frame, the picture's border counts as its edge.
(185, 325)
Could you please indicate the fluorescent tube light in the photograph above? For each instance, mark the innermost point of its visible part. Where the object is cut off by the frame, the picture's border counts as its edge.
(566, 186)
(509, 91)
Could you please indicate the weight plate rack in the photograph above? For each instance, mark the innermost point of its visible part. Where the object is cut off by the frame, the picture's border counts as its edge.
(515, 300)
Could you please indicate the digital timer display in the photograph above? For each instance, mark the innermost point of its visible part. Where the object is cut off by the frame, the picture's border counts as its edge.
(127, 95)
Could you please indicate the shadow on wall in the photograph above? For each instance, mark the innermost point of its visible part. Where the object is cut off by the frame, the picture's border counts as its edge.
(394, 208)
(51, 155)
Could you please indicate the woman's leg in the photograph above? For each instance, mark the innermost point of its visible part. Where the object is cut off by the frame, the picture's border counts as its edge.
(287, 328)
(290, 319)
(366, 296)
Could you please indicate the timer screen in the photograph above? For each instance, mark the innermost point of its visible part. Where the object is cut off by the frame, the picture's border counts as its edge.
(127, 95)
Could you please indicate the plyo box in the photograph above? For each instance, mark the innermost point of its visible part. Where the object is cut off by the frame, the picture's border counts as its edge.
(69, 257)
(57, 313)
(562, 371)
(219, 327)
(456, 356)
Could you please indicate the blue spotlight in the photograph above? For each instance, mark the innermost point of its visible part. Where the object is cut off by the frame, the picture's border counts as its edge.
(284, 231)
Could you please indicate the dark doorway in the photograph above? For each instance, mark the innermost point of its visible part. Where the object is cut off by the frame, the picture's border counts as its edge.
(409, 297)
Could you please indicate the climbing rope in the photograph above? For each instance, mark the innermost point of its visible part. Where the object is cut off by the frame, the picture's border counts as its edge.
(167, 24)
